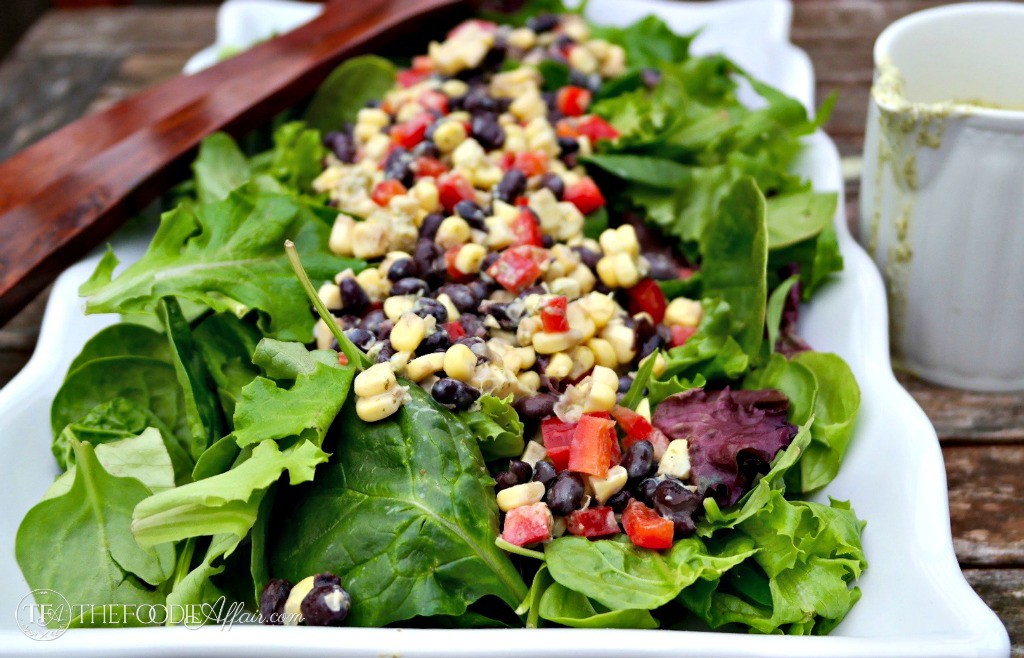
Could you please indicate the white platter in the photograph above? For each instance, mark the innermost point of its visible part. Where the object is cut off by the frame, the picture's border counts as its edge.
(915, 600)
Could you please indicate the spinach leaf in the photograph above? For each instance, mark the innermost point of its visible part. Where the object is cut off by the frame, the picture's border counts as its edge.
(564, 606)
(735, 249)
(497, 428)
(648, 42)
(143, 457)
(793, 379)
(595, 223)
(225, 503)
(202, 410)
(347, 90)
(835, 412)
(530, 606)
(80, 543)
(659, 173)
(306, 408)
(800, 216)
(196, 587)
(227, 345)
(404, 513)
(227, 256)
(123, 339)
(621, 576)
(816, 259)
(219, 169)
(554, 74)
(776, 305)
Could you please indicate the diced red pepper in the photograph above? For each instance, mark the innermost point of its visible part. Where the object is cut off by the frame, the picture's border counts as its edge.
(522, 201)
(585, 195)
(573, 101)
(423, 63)
(454, 329)
(385, 190)
(552, 315)
(646, 528)
(647, 297)
(681, 334)
(427, 166)
(486, 26)
(434, 100)
(529, 524)
(592, 522)
(526, 228)
(591, 448)
(342, 359)
(567, 128)
(409, 77)
(557, 437)
(518, 267)
(531, 163)
(660, 442)
(452, 188)
(633, 424)
(596, 128)
(413, 131)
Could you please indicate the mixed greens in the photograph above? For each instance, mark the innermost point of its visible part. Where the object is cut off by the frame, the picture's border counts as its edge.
(208, 452)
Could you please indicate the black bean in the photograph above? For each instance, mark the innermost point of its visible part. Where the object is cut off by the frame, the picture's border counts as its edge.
(554, 183)
(426, 149)
(645, 490)
(485, 129)
(410, 286)
(547, 241)
(568, 145)
(505, 480)
(662, 268)
(588, 256)
(651, 77)
(439, 341)
(428, 229)
(638, 460)
(461, 295)
(619, 500)
(326, 605)
(511, 186)
(550, 99)
(489, 260)
(403, 268)
(361, 338)
(563, 41)
(471, 212)
(353, 297)
(426, 306)
(272, 600)
(384, 329)
(565, 494)
(625, 383)
(502, 313)
(570, 160)
(429, 259)
(677, 503)
(536, 407)
(372, 320)
(479, 289)
(478, 100)
(326, 578)
(522, 470)
(652, 343)
(472, 325)
(342, 145)
(398, 166)
(454, 394)
(544, 473)
(542, 22)
(386, 351)
(347, 322)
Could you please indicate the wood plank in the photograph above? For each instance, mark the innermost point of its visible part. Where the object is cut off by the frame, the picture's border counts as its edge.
(968, 416)
(1003, 591)
(986, 503)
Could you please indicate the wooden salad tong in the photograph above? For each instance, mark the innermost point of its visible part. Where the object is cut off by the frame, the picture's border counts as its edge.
(61, 196)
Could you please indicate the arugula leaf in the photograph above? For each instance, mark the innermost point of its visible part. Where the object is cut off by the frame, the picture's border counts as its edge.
(80, 543)
(569, 608)
(219, 169)
(306, 408)
(404, 513)
(773, 311)
(225, 503)
(123, 339)
(735, 249)
(227, 256)
(621, 576)
(202, 410)
(497, 428)
(347, 90)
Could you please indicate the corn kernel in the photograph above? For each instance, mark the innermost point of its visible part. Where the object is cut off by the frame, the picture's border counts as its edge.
(621, 339)
(600, 308)
(408, 332)
(528, 106)
(522, 38)
(582, 360)
(449, 135)
(396, 306)
(659, 363)
(422, 367)
(684, 312)
(600, 398)
(550, 342)
(614, 64)
(604, 354)
(527, 357)
(379, 407)
(369, 239)
(454, 88)
(606, 487)
(519, 495)
(605, 376)
(529, 382)
(621, 240)
(644, 409)
(528, 327)
(452, 232)
(425, 191)
(559, 366)
(460, 362)
(330, 295)
(533, 453)
(376, 379)
(582, 60)
(584, 278)
(675, 463)
(340, 242)
(578, 319)
(563, 285)
(449, 305)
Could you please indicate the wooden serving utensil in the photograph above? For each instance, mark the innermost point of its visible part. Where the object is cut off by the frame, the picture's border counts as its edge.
(61, 196)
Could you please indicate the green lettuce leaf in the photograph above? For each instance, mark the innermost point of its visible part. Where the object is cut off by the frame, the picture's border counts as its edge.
(219, 169)
(497, 428)
(143, 457)
(561, 605)
(648, 42)
(227, 345)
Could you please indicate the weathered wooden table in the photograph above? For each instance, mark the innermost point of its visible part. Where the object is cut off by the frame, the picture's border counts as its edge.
(74, 62)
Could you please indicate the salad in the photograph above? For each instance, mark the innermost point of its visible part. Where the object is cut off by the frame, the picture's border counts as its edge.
(503, 335)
